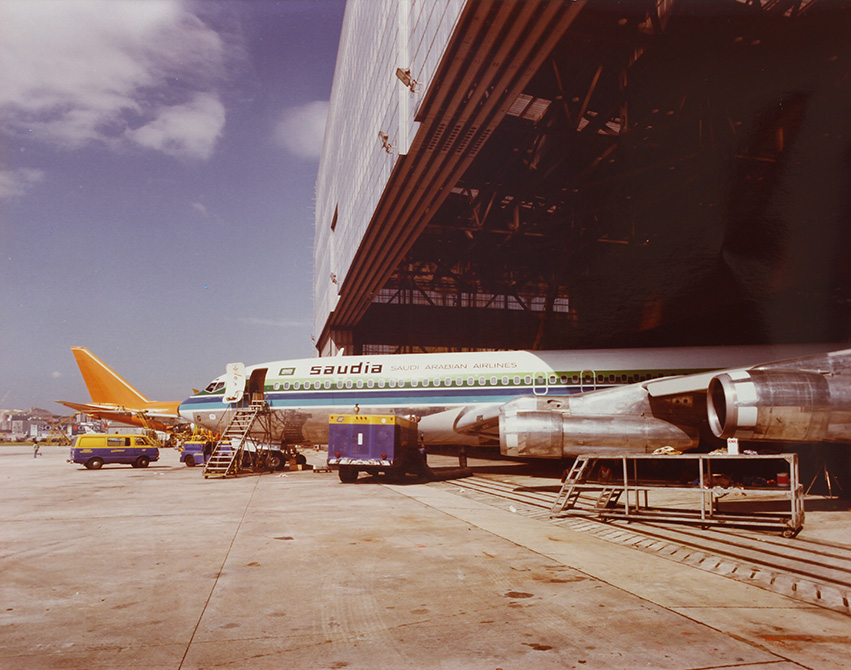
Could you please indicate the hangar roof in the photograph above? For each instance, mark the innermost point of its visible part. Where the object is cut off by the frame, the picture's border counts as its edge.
(619, 173)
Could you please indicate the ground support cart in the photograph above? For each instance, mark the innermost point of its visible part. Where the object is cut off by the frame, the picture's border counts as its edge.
(757, 491)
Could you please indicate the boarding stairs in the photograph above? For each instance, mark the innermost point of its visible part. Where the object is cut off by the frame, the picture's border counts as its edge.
(227, 453)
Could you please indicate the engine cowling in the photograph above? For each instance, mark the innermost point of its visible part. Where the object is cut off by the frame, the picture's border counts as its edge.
(782, 405)
(552, 434)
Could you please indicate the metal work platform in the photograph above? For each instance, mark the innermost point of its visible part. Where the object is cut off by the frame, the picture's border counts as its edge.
(692, 487)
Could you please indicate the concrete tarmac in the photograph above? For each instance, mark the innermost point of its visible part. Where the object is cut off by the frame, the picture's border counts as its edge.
(160, 568)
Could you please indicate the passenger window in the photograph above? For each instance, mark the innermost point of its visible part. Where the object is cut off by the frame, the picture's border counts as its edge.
(516, 380)
(296, 385)
(370, 383)
(505, 381)
(381, 383)
(327, 384)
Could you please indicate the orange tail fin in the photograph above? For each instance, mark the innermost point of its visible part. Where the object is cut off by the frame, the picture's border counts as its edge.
(104, 384)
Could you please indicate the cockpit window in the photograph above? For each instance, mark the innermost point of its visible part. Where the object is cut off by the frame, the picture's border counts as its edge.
(214, 386)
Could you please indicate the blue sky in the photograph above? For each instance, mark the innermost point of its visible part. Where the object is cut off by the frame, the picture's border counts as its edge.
(157, 170)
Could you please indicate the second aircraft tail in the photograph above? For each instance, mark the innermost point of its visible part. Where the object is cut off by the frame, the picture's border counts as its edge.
(104, 384)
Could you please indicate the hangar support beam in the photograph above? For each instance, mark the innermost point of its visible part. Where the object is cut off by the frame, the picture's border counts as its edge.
(504, 44)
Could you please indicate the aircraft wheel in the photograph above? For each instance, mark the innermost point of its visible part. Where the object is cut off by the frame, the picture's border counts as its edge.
(190, 461)
(95, 463)
(142, 462)
(348, 474)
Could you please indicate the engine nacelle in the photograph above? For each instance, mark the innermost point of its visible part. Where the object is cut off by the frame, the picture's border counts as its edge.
(783, 405)
(552, 434)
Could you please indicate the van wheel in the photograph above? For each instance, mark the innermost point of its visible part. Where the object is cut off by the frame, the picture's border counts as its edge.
(190, 461)
(95, 463)
(348, 474)
(142, 462)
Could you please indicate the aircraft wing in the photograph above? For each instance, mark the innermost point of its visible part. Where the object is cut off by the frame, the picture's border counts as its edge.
(159, 418)
(95, 410)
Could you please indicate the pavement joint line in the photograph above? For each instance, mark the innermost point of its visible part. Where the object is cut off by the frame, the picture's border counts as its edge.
(219, 574)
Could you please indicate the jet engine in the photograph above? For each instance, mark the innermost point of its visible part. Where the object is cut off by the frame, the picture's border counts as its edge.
(554, 434)
(783, 405)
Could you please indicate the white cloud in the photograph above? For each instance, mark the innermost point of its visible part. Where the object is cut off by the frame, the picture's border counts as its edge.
(201, 208)
(188, 130)
(300, 129)
(18, 182)
(79, 71)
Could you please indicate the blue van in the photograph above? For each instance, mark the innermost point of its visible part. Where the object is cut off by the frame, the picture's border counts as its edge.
(94, 450)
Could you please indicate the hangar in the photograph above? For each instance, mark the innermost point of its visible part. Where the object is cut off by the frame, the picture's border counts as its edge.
(501, 174)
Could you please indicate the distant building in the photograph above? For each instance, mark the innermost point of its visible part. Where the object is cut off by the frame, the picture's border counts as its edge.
(26, 424)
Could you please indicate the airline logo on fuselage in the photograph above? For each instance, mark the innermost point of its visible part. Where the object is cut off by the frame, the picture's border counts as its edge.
(366, 368)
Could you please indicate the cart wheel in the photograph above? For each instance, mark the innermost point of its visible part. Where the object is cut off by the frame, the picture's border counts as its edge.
(190, 461)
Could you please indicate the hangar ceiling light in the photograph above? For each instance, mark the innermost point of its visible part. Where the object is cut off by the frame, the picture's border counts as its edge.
(527, 107)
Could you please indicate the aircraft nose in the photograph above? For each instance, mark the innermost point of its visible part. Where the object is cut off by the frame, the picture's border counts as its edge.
(185, 410)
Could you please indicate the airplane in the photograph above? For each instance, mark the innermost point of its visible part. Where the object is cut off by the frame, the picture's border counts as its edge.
(114, 399)
(555, 404)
